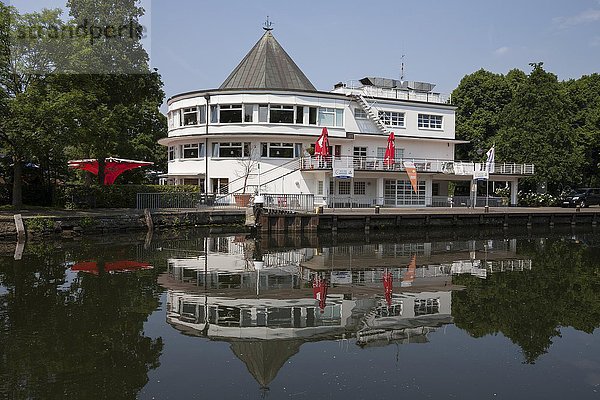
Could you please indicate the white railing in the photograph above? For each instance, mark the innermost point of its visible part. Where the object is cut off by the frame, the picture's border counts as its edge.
(421, 164)
(355, 87)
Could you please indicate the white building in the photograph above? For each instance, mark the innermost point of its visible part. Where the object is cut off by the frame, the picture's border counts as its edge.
(258, 128)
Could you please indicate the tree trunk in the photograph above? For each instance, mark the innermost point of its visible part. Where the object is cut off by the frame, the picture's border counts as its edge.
(17, 192)
(101, 170)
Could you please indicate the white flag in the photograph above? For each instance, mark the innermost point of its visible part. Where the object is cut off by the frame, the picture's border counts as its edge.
(490, 162)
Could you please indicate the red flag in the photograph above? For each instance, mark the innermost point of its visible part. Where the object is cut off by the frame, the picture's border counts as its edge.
(322, 144)
(388, 286)
(409, 276)
(390, 151)
(411, 171)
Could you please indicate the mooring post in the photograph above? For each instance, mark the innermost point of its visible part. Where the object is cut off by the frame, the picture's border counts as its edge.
(21, 235)
(148, 217)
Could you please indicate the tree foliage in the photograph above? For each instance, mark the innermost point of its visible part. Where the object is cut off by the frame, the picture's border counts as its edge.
(533, 118)
(78, 96)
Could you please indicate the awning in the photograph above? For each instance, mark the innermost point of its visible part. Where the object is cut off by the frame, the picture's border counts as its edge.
(113, 167)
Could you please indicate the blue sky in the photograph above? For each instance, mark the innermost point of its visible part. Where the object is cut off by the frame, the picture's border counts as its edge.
(196, 44)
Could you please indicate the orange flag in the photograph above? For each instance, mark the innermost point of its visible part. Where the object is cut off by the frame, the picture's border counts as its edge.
(411, 170)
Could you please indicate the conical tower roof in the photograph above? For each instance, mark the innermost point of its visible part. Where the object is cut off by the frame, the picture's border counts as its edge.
(267, 66)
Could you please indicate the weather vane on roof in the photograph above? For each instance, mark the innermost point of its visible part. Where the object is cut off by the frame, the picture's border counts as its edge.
(268, 25)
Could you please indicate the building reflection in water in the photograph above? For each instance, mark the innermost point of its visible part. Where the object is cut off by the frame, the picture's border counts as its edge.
(266, 314)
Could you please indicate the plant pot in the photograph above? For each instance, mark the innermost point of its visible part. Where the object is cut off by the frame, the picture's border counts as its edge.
(242, 199)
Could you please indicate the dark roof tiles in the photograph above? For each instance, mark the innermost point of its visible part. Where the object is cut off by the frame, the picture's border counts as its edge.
(267, 66)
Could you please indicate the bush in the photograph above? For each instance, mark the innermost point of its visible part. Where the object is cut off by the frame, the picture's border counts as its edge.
(531, 199)
(111, 196)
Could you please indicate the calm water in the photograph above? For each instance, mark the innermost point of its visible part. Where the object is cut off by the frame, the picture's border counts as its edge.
(192, 315)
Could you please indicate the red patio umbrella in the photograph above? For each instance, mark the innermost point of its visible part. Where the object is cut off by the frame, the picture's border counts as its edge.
(110, 267)
(390, 151)
(320, 291)
(388, 280)
(112, 169)
(322, 144)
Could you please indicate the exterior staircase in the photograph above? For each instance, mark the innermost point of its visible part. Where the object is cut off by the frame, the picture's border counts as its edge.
(372, 112)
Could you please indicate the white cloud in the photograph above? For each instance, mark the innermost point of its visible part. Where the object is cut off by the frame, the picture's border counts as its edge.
(501, 51)
(584, 17)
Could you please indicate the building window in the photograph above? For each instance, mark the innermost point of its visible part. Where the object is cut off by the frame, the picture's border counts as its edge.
(399, 153)
(360, 152)
(171, 153)
(193, 150)
(214, 114)
(282, 114)
(331, 187)
(390, 118)
(360, 188)
(281, 150)
(230, 114)
(299, 114)
(401, 193)
(248, 112)
(263, 113)
(175, 120)
(344, 187)
(190, 150)
(312, 115)
(427, 121)
(320, 188)
(331, 117)
(231, 150)
(190, 181)
(202, 114)
(359, 113)
(190, 116)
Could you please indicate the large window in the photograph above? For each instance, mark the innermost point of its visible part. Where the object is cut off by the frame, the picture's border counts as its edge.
(360, 151)
(171, 153)
(231, 150)
(248, 112)
(427, 121)
(299, 114)
(344, 187)
(190, 116)
(175, 119)
(192, 150)
(399, 153)
(312, 115)
(390, 118)
(360, 188)
(359, 113)
(230, 114)
(281, 150)
(401, 193)
(331, 117)
(263, 113)
(282, 114)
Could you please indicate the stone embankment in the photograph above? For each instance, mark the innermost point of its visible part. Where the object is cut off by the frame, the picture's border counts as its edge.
(66, 224)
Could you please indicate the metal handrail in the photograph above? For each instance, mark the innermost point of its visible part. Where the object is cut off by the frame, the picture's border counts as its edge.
(421, 164)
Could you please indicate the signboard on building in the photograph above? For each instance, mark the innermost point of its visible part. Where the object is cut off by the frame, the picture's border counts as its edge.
(343, 173)
(481, 175)
(341, 277)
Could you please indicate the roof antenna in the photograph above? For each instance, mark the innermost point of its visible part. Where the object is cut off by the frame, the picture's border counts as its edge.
(402, 69)
(267, 26)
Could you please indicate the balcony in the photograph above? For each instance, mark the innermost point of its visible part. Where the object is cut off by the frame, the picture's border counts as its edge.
(356, 88)
(421, 164)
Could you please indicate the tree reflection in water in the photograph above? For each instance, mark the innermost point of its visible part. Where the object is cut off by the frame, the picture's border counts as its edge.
(530, 307)
(81, 339)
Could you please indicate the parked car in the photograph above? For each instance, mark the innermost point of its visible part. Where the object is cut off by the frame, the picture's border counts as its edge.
(583, 197)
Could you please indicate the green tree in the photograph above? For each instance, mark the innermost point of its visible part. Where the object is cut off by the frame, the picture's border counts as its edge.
(122, 118)
(584, 105)
(26, 63)
(535, 129)
(480, 99)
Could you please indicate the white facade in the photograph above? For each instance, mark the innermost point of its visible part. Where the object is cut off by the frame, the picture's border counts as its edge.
(230, 140)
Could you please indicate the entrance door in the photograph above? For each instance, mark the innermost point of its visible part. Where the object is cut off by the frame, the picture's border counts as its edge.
(220, 185)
